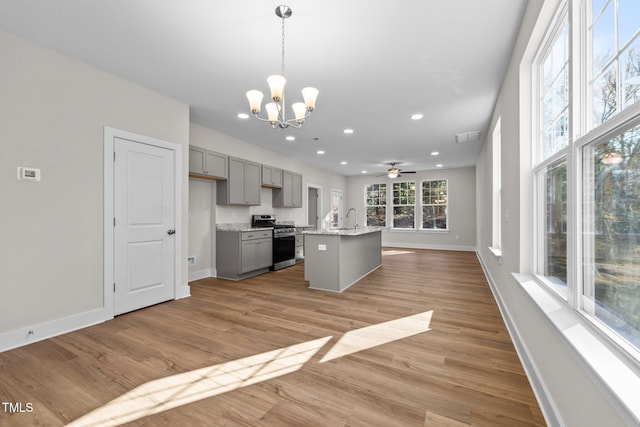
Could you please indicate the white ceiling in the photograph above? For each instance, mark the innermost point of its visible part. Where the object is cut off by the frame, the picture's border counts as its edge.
(375, 64)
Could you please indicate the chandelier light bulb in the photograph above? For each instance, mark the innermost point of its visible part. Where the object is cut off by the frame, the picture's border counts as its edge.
(276, 85)
(310, 94)
(299, 111)
(272, 112)
(255, 100)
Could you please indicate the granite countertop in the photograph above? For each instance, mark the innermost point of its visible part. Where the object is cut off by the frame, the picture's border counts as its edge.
(345, 231)
(240, 226)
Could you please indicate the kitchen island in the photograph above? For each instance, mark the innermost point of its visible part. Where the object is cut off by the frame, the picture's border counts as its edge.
(337, 258)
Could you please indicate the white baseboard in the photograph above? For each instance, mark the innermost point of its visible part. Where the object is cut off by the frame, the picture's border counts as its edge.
(429, 246)
(34, 333)
(202, 274)
(537, 384)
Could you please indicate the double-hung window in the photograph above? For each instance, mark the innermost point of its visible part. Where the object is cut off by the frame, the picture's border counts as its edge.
(376, 204)
(404, 205)
(550, 170)
(434, 204)
(587, 164)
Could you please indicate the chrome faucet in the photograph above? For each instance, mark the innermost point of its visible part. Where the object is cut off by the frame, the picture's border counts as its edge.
(355, 217)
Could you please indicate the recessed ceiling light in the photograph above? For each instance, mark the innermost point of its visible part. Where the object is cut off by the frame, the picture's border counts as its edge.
(243, 116)
(343, 163)
(290, 138)
(417, 116)
(439, 165)
(321, 152)
(348, 131)
(435, 153)
(363, 172)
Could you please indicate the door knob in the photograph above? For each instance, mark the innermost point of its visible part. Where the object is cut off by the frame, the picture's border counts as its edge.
(170, 232)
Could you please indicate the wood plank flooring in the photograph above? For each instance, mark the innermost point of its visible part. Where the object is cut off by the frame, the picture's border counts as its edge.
(193, 362)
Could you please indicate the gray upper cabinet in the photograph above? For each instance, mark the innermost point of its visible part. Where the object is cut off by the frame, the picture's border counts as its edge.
(243, 184)
(290, 195)
(271, 177)
(207, 164)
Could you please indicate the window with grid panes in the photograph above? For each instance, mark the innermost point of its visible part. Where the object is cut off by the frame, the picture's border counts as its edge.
(404, 204)
(434, 204)
(376, 204)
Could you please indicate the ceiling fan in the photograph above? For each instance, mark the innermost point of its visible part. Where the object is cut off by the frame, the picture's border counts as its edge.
(394, 172)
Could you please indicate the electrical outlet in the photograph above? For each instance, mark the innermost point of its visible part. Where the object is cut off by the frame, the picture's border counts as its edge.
(191, 260)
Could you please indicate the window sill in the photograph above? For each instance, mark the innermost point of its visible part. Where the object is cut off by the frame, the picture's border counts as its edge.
(604, 363)
(421, 230)
(497, 252)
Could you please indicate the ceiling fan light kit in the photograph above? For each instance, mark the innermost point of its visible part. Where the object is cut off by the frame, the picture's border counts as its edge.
(394, 172)
(276, 110)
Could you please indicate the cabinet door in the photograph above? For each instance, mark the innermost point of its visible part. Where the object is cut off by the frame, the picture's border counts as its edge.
(264, 253)
(287, 185)
(196, 160)
(276, 177)
(248, 256)
(252, 183)
(215, 164)
(235, 184)
(296, 191)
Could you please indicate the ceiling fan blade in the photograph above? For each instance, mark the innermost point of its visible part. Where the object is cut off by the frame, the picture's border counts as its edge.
(408, 171)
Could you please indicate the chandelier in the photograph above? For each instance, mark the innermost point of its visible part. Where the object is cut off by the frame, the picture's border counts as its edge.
(276, 114)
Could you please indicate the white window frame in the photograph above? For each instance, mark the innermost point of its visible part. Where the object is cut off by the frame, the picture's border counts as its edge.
(385, 206)
(581, 135)
(496, 211)
(421, 205)
(393, 205)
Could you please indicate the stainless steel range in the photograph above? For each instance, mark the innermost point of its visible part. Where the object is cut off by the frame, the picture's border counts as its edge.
(284, 240)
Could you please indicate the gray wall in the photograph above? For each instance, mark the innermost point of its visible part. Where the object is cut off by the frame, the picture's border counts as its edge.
(52, 114)
(203, 195)
(566, 386)
(462, 208)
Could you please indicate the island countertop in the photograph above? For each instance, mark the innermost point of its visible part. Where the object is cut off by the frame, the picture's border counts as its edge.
(351, 231)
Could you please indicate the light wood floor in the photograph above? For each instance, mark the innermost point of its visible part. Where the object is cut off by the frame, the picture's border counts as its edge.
(462, 371)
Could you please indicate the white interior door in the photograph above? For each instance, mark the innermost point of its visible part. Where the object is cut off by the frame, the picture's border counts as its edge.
(144, 225)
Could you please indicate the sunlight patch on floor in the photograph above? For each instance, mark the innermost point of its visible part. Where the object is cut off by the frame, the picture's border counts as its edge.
(375, 335)
(386, 252)
(181, 389)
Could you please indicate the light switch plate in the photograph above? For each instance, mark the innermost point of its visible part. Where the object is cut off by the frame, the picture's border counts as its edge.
(322, 247)
(28, 174)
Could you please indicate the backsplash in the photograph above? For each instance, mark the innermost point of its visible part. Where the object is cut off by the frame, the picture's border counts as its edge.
(242, 214)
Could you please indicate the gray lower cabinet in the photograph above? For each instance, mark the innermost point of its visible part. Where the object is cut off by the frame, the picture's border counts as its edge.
(242, 254)
(271, 177)
(290, 195)
(243, 185)
(207, 164)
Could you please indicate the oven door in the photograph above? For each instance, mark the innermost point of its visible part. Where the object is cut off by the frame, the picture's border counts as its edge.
(284, 252)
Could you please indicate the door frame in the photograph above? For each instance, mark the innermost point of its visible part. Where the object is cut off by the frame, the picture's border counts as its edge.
(336, 192)
(318, 222)
(109, 149)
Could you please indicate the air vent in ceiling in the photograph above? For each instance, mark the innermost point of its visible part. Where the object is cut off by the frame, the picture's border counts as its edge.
(467, 137)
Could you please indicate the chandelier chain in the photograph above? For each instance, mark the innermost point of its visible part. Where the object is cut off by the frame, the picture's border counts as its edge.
(283, 18)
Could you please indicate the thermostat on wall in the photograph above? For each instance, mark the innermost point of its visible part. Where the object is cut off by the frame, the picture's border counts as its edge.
(28, 174)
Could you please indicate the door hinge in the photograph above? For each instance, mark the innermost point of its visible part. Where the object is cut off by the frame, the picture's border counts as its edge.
(114, 221)
(114, 156)
(114, 287)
